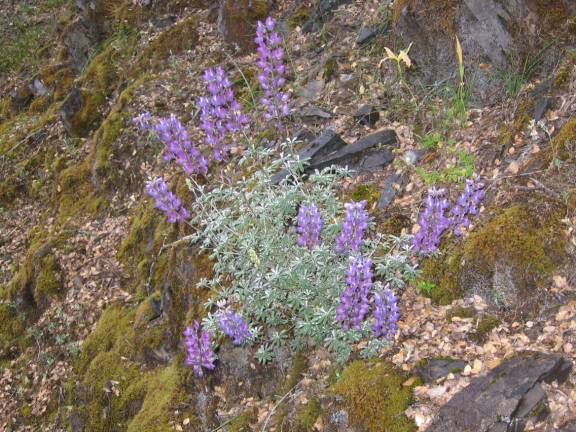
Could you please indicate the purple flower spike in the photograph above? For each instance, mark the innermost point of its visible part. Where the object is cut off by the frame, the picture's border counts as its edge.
(174, 135)
(386, 314)
(272, 69)
(234, 326)
(354, 302)
(221, 112)
(355, 223)
(309, 226)
(166, 200)
(143, 121)
(433, 222)
(199, 350)
(468, 204)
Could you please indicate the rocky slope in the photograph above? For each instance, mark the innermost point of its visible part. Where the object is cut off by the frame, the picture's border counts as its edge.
(94, 297)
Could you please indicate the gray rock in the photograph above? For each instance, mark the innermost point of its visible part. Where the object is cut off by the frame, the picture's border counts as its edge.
(490, 31)
(540, 107)
(365, 35)
(393, 185)
(438, 367)
(38, 88)
(315, 113)
(328, 142)
(322, 14)
(367, 154)
(71, 105)
(502, 399)
(367, 115)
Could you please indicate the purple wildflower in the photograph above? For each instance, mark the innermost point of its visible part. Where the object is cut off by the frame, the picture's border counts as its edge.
(355, 223)
(386, 314)
(166, 200)
(309, 226)
(143, 121)
(199, 350)
(354, 303)
(221, 112)
(468, 203)
(234, 326)
(433, 222)
(272, 69)
(178, 146)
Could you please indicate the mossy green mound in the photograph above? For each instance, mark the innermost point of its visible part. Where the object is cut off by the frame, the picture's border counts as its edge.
(375, 396)
(507, 260)
(114, 390)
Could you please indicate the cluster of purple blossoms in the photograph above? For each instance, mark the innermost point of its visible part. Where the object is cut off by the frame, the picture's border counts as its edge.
(354, 301)
(355, 223)
(143, 121)
(468, 203)
(199, 349)
(166, 200)
(221, 112)
(309, 226)
(234, 326)
(386, 314)
(272, 69)
(172, 133)
(433, 222)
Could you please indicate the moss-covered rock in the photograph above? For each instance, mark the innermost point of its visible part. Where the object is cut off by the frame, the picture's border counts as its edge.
(13, 337)
(365, 192)
(306, 417)
(507, 261)
(375, 396)
(243, 422)
(460, 312)
(485, 326)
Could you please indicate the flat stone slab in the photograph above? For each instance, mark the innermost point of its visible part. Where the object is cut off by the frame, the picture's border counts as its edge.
(503, 399)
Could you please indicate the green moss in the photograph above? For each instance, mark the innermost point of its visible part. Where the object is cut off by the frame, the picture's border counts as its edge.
(9, 189)
(524, 238)
(306, 417)
(460, 312)
(485, 326)
(375, 396)
(443, 272)
(299, 17)
(136, 247)
(365, 192)
(394, 223)
(564, 142)
(181, 36)
(40, 104)
(242, 422)
(565, 71)
(299, 367)
(163, 391)
(135, 399)
(330, 69)
(74, 193)
(48, 282)
(13, 336)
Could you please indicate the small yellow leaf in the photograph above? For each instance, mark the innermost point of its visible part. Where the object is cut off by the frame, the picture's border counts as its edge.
(459, 51)
(390, 54)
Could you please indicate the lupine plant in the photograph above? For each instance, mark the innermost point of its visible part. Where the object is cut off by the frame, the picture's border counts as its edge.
(355, 223)
(287, 294)
(178, 146)
(143, 121)
(386, 314)
(166, 200)
(234, 326)
(200, 354)
(434, 221)
(272, 69)
(221, 112)
(309, 226)
(354, 301)
(468, 203)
